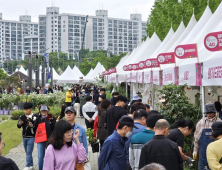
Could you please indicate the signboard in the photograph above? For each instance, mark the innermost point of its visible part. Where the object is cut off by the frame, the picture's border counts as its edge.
(186, 51)
(166, 58)
(128, 77)
(142, 65)
(168, 76)
(176, 80)
(157, 77)
(212, 72)
(139, 77)
(125, 68)
(147, 75)
(113, 77)
(151, 63)
(134, 77)
(112, 70)
(213, 41)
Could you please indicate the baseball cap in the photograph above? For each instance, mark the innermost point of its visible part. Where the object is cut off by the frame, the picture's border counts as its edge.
(70, 108)
(127, 120)
(217, 126)
(69, 89)
(44, 107)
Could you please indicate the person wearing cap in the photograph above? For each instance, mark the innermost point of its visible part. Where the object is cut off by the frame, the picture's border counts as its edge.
(136, 98)
(202, 135)
(161, 150)
(68, 97)
(214, 149)
(90, 112)
(44, 117)
(82, 100)
(70, 116)
(113, 154)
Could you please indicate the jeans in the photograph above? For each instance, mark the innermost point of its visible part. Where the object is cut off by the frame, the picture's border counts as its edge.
(77, 108)
(41, 153)
(29, 146)
(81, 114)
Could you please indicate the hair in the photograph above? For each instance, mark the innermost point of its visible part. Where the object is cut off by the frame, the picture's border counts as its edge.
(120, 126)
(115, 93)
(0, 136)
(152, 119)
(39, 107)
(139, 114)
(102, 89)
(121, 98)
(153, 166)
(137, 106)
(56, 139)
(215, 133)
(105, 104)
(153, 112)
(161, 124)
(184, 123)
(147, 106)
(217, 106)
(28, 106)
(88, 98)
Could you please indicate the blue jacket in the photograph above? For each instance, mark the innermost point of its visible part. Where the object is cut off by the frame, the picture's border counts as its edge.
(82, 136)
(112, 155)
(135, 131)
(45, 91)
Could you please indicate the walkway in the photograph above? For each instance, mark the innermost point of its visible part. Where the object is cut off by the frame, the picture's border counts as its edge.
(18, 153)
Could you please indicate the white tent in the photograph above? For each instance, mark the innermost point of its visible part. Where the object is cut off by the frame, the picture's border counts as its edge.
(77, 72)
(55, 74)
(95, 73)
(68, 76)
(90, 71)
(22, 70)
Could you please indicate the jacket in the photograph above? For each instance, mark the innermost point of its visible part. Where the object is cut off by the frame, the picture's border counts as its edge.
(89, 110)
(112, 155)
(7, 164)
(82, 135)
(27, 131)
(163, 151)
(82, 99)
(101, 130)
(49, 125)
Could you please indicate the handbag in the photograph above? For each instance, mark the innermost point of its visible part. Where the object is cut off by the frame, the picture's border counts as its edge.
(40, 135)
(95, 147)
(80, 166)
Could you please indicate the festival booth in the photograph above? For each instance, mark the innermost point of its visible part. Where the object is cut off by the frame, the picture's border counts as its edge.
(77, 72)
(95, 74)
(23, 71)
(68, 77)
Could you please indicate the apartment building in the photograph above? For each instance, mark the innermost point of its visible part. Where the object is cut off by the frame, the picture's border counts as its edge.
(17, 37)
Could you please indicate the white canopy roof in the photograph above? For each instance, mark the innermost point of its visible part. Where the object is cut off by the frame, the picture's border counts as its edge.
(55, 74)
(77, 72)
(90, 71)
(95, 74)
(68, 76)
(22, 70)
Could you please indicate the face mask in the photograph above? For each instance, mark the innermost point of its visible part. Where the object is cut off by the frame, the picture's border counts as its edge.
(83, 93)
(128, 134)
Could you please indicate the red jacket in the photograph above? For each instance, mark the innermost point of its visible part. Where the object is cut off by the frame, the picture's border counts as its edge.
(95, 126)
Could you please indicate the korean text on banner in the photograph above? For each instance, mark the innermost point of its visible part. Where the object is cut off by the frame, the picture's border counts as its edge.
(168, 76)
(128, 77)
(152, 63)
(176, 80)
(213, 41)
(134, 77)
(166, 58)
(147, 76)
(142, 65)
(187, 74)
(140, 77)
(186, 51)
(212, 72)
(156, 77)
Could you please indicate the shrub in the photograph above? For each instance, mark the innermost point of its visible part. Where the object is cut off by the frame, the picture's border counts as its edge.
(4, 117)
(17, 113)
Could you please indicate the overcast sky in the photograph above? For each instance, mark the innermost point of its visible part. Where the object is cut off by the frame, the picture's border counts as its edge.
(11, 9)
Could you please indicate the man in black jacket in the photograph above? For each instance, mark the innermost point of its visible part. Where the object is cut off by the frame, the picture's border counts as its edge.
(6, 163)
(26, 122)
(161, 150)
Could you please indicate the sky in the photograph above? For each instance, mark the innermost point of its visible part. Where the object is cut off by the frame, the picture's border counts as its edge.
(11, 9)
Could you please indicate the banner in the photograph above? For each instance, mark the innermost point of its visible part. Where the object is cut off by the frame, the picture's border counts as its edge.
(46, 56)
(213, 41)
(147, 76)
(212, 72)
(125, 68)
(135, 66)
(166, 58)
(168, 76)
(151, 63)
(128, 77)
(134, 77)
(187, 75)
(198, 74)
(112, 70)
(142, 65)
(67, 55)
(176, 80)
(156, 77)
(140, 77)
(186, 51)
(113, 78)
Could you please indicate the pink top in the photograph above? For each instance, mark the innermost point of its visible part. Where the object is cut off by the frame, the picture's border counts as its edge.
(65, 158)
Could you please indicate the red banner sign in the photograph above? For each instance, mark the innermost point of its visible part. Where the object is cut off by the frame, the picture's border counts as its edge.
(142, 65)
(213, 41)
(126, 68)
(112, 70)
(186, 51)
(153, 62)
(166, 58)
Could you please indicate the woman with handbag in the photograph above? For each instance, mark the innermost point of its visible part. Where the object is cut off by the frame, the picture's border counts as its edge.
(62, 153)
(45, 124)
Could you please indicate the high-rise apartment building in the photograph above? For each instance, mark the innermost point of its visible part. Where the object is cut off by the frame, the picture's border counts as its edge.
(17, 37)
(64, 32)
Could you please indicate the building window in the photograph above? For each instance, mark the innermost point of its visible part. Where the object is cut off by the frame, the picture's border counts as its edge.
(64, 21)
(64, 30)
(64, 26)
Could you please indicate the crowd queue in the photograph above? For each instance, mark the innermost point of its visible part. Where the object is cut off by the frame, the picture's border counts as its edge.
(130, 139)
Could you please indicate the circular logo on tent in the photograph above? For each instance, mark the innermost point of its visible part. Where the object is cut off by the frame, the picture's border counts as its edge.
(134, 67)
(148, 63)
(130, 66)
(141, 65)
(211, 42)
(125, 68)
(161, 58)
(180, 52)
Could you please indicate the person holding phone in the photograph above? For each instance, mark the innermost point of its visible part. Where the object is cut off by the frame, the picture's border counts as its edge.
(44, 117)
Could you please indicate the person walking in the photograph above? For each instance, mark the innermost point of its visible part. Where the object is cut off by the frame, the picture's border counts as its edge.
(82, 99)
(26, 122)
(77, 103)
(112, 155)
(49, 123)
(90, 112)
(202, 135)
(161, 150)
(62, 153)
(69, 97)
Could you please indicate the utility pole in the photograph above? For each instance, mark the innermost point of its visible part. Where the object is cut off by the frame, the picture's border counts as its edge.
(37, 72)
(83, 38)
(51, 72)
(30, 71)
(43, 72)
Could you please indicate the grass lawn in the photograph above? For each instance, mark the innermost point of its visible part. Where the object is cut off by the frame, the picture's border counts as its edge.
(11, 135)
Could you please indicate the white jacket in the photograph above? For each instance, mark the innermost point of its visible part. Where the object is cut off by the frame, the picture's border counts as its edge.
(89, 107)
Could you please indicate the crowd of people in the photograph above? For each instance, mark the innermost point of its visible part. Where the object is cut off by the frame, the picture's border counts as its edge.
(131, 135)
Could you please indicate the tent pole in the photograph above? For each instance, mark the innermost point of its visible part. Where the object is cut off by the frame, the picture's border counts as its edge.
(126, 91)
(203, 100)
(153, 96)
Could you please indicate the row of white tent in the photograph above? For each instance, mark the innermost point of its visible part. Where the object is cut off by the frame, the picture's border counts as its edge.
(195, 32)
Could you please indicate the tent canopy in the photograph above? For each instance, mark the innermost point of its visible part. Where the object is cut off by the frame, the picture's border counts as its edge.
(68, 76)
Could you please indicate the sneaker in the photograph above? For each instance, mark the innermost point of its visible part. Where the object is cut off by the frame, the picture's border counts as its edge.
(26, 168)
(31, 168)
